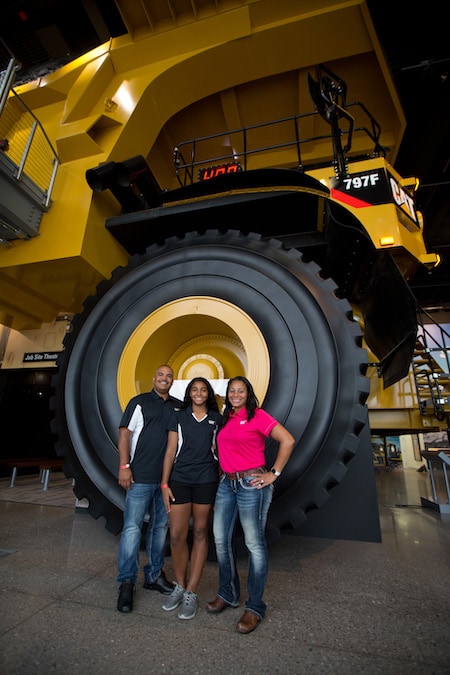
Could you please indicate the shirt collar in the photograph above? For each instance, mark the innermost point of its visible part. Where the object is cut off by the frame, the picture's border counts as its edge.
(156, 396)
(242, 412)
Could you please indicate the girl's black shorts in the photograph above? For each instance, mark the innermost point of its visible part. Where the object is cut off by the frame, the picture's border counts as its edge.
(188, 493)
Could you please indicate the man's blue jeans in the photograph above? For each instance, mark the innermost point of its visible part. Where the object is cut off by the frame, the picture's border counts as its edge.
(238, 498)
(140, 500)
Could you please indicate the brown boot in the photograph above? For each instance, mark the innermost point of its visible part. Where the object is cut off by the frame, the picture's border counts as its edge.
(248, 622)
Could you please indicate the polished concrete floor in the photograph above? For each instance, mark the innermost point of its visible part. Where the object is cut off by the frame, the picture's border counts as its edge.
(334, 606)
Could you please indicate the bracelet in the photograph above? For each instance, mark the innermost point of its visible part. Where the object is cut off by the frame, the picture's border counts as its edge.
(124, 466)
(166, 485)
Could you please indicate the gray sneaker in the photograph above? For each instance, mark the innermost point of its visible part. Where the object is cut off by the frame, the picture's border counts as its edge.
(174, 599)
(189, 606)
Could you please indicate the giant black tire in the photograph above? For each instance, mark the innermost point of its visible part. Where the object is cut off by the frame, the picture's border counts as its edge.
(317, 387)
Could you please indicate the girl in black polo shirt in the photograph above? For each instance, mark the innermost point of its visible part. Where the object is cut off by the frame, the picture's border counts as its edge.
(189, 483)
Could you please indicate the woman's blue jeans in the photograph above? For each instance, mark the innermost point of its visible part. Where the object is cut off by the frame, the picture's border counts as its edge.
(238, 498)
(143, 499)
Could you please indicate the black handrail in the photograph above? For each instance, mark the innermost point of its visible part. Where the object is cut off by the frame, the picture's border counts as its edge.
(185, 169)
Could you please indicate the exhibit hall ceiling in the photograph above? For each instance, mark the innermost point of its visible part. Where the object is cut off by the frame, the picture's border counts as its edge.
(44, 34)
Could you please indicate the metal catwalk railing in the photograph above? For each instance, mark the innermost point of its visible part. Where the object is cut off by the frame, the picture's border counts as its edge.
(9, 65)
(27, 146)
(28, 161)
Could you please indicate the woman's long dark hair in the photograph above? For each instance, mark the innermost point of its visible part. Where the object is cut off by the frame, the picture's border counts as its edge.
(211, 403)
(251, 404)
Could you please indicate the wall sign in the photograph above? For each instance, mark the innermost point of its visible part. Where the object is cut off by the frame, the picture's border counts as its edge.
(40, 356)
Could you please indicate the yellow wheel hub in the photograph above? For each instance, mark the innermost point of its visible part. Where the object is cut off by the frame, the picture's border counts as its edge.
(198, 336)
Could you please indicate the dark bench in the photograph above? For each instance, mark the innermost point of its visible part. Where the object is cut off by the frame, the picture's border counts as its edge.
(44, 466)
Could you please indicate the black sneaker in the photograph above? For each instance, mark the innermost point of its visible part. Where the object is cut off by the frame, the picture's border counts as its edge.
(126, 592)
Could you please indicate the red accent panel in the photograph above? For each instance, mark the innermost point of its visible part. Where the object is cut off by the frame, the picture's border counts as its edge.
(345, 198)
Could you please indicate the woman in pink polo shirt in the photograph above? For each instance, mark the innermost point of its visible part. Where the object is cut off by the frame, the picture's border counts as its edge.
(245, 490)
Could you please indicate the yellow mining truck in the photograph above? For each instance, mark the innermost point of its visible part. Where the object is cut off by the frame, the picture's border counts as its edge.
(222, 184)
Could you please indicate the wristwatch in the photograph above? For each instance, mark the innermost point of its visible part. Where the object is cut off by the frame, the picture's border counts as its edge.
(274, 471)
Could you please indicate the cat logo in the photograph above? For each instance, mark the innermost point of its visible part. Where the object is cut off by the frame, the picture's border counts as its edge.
(403, 200)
